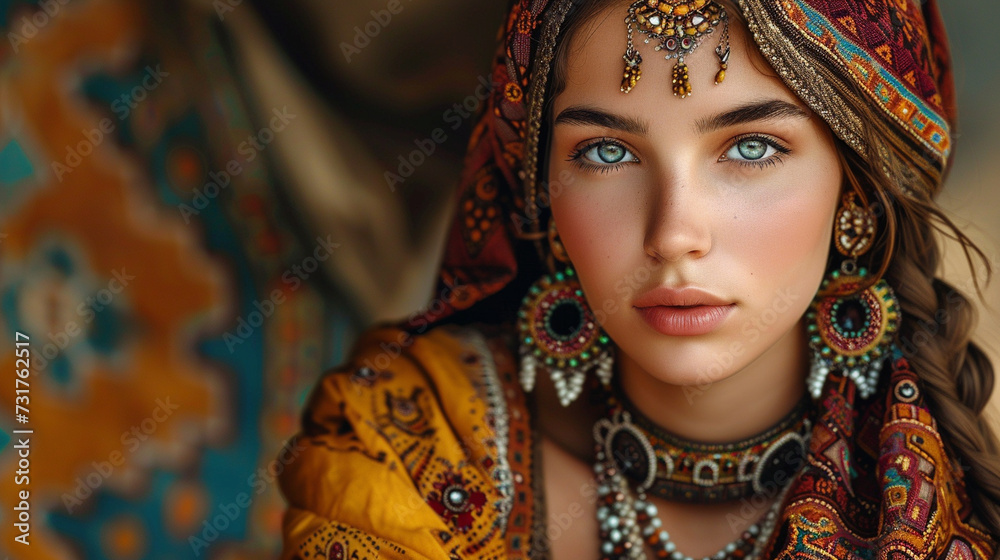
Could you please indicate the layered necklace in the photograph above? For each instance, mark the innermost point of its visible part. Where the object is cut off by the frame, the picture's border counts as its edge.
(632, 451)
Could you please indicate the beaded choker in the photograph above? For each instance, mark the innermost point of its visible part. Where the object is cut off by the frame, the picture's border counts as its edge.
(667, 466)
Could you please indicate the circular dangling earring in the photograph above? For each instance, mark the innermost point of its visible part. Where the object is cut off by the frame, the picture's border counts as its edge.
(851, 332)
(558, 332)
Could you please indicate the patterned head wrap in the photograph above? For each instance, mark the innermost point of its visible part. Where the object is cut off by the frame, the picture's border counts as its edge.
(890, 56)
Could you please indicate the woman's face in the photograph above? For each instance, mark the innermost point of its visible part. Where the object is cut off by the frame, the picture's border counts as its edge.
(725, 198)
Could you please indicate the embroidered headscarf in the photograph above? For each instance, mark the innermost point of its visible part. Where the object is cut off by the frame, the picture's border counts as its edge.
(890, 56)
(879, 481)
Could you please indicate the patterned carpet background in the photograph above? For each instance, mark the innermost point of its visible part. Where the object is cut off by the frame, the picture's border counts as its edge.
(171, 339)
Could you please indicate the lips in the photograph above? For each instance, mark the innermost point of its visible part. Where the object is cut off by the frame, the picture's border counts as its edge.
(683, 297)
(683, 312)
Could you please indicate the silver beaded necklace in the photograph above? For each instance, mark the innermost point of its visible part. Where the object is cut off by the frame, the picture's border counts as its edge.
(629, 522)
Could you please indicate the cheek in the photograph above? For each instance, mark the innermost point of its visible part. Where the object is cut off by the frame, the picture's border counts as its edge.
(789, 233)
(784, 241)
(601, 229)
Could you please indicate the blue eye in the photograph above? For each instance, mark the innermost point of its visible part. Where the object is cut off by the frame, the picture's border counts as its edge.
(751, 148)
(755, 150)
(608, 153)
(604, 154)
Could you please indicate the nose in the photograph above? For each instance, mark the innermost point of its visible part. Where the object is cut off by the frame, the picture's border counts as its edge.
(679, 223)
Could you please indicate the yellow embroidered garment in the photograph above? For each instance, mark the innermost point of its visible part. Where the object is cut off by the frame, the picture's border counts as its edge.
(417, 448)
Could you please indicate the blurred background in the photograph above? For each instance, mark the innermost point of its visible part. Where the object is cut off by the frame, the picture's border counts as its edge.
(203, 202)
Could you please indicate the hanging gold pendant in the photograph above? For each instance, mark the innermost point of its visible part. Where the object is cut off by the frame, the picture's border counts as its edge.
(722, 51)
(632, 71)
(855, 229)
(680, 80)
(679, 26)
(720, 75)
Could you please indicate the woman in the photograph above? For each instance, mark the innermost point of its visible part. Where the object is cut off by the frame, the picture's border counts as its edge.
(667, 357)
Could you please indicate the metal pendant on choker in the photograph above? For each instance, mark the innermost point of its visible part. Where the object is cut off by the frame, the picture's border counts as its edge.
(627, 456)
(628, 523)
(677, 469)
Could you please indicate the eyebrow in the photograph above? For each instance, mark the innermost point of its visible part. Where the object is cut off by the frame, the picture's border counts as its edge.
(750, 112)
(582, 115)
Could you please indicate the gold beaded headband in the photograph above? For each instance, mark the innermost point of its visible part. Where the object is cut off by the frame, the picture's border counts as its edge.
(679, 25)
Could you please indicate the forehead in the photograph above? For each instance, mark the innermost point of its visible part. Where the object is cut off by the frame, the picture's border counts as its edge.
(593, 66)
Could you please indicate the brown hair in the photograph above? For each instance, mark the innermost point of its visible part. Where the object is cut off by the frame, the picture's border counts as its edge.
(938, 320)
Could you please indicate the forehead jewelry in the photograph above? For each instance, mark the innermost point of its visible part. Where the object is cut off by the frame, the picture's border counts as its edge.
(679, 26)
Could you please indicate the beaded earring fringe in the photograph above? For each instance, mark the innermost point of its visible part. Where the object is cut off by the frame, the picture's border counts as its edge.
(559, 333)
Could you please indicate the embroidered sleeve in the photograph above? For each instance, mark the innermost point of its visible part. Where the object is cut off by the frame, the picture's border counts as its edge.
(399, 455)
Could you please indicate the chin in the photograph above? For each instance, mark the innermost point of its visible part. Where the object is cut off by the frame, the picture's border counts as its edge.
(685, 378)
(685, 360)
(697, 370)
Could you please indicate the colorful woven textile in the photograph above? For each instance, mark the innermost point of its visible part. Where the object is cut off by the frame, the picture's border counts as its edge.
(890, 56)
(423, 447)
